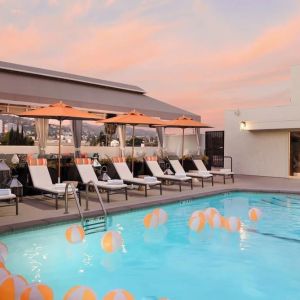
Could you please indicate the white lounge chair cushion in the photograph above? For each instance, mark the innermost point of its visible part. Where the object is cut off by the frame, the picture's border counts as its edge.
(7, 197)
(155, 168)
(180, 175)
(107, 185)
(201, 174)
(115, 181)
(123, 170)
(5, 192)
(157, 172)
(176, 165)
(87, 174)
(200, 165)
(222, 172)
(150, 179)
(126, 175)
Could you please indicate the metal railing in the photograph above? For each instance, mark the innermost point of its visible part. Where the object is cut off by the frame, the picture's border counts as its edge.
(73, 190)
(92, 183)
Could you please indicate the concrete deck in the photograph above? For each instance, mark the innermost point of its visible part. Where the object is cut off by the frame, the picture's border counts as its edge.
(38, 211)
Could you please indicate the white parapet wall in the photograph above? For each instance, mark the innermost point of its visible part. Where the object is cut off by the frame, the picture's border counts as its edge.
(103, 151)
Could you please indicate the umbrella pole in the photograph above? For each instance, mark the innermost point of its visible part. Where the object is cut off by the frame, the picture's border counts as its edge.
(59, 150)
(182, 150)
(132, 150)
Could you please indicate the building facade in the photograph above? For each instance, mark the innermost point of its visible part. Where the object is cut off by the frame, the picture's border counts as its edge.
(266, 141)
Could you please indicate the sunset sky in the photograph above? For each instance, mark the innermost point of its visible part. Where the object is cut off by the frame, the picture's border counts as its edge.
(203, 56)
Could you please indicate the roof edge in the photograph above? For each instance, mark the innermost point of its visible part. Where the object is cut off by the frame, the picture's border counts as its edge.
(12, 67)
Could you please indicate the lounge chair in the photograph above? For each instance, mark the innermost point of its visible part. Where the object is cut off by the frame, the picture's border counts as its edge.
(155, 169)
(125, 174)
(87, 174)
(176, 165)
(9, 199)
(41, 180)
(226, 173)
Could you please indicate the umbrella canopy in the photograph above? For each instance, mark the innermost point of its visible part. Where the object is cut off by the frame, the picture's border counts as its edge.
(184, 122)
(133, 118)
(59, 111)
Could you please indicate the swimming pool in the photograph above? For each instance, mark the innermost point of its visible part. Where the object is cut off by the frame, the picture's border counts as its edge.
(260, 262)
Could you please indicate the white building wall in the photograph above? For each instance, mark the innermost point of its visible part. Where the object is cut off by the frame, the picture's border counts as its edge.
(263, 146)
(262, 153)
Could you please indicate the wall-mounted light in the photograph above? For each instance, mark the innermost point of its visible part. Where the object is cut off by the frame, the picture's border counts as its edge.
(243, 125)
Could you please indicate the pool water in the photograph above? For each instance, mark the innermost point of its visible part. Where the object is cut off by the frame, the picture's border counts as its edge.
(262, 261)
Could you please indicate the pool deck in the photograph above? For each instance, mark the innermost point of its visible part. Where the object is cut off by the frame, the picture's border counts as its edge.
(38, 211)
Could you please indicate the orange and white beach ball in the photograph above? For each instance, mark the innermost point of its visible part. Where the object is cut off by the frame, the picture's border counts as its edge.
(111, 241)
(161, 215)
(233, 224)
(80, 293)
(197, 223)
(3, 273)
(118, 295)
(12, 286)
(223, 222)
(210, 212)
(254, 214)
(215, 221)
(75, 234)
(196, 212)
(3, 250)
(151, 220)
(2, 262)
(37, 291)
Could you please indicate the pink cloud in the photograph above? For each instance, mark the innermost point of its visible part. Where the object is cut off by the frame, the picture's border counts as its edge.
(19, 42)
(77, 9)
(113, 48)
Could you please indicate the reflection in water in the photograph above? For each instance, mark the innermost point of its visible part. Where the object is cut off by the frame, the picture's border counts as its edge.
(155, 235)
(111, 262)
(236, 206)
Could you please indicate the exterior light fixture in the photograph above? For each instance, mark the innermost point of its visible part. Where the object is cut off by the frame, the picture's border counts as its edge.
(243, 125)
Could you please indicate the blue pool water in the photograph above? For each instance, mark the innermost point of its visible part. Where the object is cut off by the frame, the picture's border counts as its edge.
(260, 262)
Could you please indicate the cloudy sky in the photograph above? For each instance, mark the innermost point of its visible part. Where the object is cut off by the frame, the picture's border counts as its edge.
(202, 55)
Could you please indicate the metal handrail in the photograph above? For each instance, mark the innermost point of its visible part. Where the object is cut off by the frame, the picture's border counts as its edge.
(75, 196)
(230, 157)
(92, 183)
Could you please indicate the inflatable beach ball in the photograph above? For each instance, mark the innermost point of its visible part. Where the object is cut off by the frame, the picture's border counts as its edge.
(3, 273)
(254, 214)
(75, 234)
(12, 286)
(111, 241)
(3, 250)
(161, 215)
(215, 221)
(197, 223)
(233, 224)
(37, 291)
(1, 261)
(151, 220)
(118, 295)
(80, 293)
(210, 212)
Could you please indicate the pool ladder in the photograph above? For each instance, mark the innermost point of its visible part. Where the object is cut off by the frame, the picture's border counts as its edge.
(90, 224)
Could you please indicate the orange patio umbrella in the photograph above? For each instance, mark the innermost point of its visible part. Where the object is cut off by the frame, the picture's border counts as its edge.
(184, 122)
(133, 118)
(59, 111)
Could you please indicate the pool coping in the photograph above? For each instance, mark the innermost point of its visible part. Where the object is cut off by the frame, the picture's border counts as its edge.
(36, 224)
